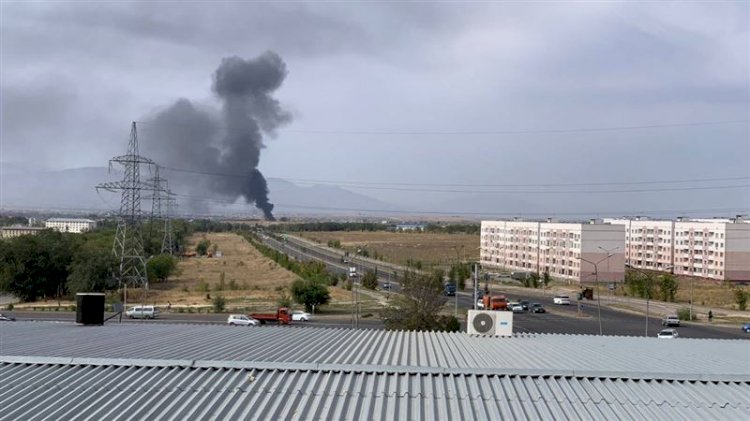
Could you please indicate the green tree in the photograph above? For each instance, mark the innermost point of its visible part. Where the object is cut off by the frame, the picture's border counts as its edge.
(34, 266)
(219, 303)
(370, 280)
(418, 305)
(740, 297)
(161, 267)
(92, 270)
(668, 287)
(202, 247)
(533, 280)
(310, 293)
(546, 279)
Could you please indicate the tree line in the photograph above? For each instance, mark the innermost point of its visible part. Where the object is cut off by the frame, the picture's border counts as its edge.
(54, 264)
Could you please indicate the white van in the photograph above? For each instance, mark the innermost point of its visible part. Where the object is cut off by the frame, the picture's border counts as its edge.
(142, 312)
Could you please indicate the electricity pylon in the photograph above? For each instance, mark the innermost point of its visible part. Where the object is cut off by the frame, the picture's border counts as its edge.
(128, 244)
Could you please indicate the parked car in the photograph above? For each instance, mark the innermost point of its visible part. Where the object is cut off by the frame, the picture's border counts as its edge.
(525, 304)
(142, 312)
(241, 320)
(562, 300)
(516, 307)
(746, 328)
(537, 308)
(387, 286)
(670, 321)
(301, 316)
(6, 318)
(668, 334)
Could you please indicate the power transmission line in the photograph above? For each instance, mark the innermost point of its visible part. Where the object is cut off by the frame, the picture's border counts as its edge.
(491, 132)
(383, 183)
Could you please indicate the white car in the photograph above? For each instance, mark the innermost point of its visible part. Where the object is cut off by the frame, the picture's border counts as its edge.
(241, 320)
(142, 312)
(516, 307)
(480, 304)
(668, 334)
(562, 300)
(301, 316)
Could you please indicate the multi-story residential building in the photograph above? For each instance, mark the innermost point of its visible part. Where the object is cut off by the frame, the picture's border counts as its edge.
(649, 244)
(70, 224)
(709, 248)
(567, 251)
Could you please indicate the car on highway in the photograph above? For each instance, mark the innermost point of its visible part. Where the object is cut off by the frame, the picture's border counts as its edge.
(142, 312)
(6, 318)
(562, 300)
(525, 304)
(537, 308)
(671, 321)
(668, 334)
(241, 320)
(301, 316)
(516, 307)
(746, 328)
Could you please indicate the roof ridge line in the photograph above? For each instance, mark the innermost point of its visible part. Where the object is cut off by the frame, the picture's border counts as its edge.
(368, 368)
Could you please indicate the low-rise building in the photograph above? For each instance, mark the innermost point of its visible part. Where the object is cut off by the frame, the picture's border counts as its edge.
(17, 231)
(73, 225)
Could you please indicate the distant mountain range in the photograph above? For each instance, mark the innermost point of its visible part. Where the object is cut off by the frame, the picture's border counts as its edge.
(74, 189)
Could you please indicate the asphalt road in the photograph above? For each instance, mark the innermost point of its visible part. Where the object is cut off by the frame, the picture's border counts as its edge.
(558, 319)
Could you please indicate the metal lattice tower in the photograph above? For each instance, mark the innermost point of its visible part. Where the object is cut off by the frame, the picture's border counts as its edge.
(162, 203)
(128, 244)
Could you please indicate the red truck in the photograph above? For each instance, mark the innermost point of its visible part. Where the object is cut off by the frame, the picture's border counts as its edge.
(282, 316)
(495, 302)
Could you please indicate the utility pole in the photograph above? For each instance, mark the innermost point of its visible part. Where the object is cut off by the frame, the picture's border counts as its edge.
(162, 201)
(128, 243)
(598, 296)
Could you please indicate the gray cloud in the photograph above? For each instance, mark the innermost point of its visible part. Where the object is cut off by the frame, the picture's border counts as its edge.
(403, 66)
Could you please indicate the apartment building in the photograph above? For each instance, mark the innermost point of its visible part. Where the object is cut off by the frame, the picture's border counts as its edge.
(74, 225)
(567, 251)
(708, 248)
(649, 244)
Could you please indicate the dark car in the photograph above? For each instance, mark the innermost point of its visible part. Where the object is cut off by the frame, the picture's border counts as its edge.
(525, 304)
(450, 289)
(6, 318)
(387, 286)
(746, 328)
(537, 308)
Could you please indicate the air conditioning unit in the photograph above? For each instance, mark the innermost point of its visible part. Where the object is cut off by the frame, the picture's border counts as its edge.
(486, 322)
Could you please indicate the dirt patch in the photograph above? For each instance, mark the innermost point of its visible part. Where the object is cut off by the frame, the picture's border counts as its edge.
(399, 247)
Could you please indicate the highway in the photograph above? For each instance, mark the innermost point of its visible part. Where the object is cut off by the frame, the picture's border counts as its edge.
(558, 319)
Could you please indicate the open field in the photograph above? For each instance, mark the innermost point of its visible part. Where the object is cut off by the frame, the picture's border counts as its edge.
(399, 247)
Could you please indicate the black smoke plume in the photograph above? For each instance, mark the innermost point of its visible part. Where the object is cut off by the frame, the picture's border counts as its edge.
(222, 149)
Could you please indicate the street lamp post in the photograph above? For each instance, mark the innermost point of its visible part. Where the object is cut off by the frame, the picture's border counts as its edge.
(609, 253)
(596, 279)
(649, 285)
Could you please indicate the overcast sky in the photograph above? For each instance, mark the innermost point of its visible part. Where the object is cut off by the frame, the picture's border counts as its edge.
(452, 93)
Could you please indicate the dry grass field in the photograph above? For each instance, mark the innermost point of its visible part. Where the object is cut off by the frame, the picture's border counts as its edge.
(249, 277)
(398, 247)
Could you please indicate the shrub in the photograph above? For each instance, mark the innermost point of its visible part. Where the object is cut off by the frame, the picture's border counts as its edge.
(740, 297)
(684, 314)
(220, 304)
(9, 307)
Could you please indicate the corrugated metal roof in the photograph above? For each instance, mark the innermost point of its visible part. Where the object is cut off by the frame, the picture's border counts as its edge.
(85, 392)
(599, 356)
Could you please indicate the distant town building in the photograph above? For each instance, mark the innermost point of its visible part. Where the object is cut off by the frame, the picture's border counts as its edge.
(17, 231)
(410, 227)
(566, 251)
(73, 225)
(708, 248)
